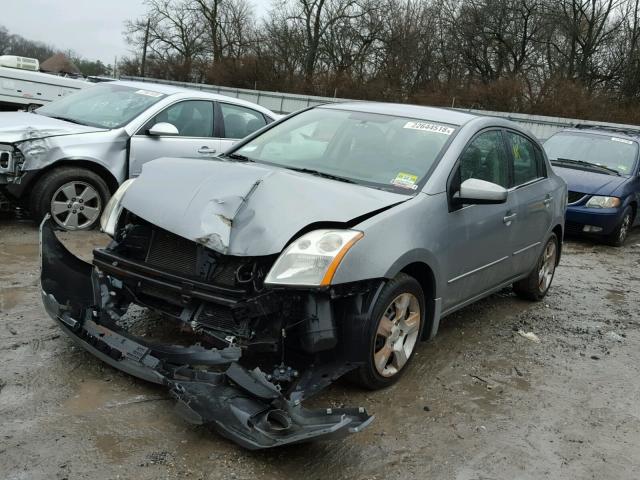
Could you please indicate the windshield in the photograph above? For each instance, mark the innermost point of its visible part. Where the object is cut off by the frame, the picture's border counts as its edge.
(106, 105)
(382, 151)
(611, 152)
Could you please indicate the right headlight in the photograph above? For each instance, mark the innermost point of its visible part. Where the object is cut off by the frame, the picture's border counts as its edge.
(312, 259)
(111, 213)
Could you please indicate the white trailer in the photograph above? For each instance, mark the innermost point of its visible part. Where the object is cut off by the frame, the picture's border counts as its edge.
(25, 89)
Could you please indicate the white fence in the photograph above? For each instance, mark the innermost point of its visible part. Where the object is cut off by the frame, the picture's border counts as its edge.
(541, 126)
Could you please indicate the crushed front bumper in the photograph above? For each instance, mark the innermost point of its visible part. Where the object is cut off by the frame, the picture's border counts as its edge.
(210, 385)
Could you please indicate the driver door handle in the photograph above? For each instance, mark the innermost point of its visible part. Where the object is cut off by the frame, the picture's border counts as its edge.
(509, 218)
(206, 150)
(547, 200)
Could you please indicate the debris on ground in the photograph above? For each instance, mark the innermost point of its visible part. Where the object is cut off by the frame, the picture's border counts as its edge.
(529, 336)
(615, 336)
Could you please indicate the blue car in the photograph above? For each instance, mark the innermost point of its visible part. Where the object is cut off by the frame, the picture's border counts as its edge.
(600, 166)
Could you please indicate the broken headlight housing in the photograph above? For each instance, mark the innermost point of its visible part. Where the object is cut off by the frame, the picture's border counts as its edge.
(111, 213)
(603, 202)
(312, 259)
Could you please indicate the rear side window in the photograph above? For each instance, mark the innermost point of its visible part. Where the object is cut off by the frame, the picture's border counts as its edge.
(240, 121)
(527, 164)
(484, 159)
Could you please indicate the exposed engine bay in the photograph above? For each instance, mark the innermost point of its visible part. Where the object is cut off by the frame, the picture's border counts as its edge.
(248, 354)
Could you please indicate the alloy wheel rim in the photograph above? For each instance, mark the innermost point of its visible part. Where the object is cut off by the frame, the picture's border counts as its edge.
(76, 205)
(397, 334)
(545, 274)
(624, 228)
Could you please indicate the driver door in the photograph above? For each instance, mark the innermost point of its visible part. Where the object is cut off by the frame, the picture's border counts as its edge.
(194, 120)
(480, 237)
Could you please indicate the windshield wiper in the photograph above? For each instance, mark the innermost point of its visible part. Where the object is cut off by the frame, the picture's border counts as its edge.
(237, 156)
(321, 174)
(585, 164)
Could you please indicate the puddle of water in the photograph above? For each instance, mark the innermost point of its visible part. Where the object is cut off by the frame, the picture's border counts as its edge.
(10, 297)
(24, 250)
(93, 395)
(112, 447)
(615, 295)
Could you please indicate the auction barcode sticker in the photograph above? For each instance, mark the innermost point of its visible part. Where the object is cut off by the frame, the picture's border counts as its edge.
(621, 140)
(429, 127)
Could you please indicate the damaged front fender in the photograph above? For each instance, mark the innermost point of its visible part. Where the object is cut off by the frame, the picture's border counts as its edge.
(211, 386)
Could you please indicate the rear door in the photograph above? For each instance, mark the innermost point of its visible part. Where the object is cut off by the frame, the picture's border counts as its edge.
(533, 193)
(479, 237)
(194, 120)
(237, 122)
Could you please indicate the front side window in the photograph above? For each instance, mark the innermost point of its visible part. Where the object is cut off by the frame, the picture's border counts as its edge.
(603, 153)
(240, 121)
(382, 151)
(106, 105)
(526, 161)
(484, 159)
(192, 118)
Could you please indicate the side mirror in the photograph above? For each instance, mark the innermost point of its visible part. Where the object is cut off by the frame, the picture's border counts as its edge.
(163, 129)
(475, 191)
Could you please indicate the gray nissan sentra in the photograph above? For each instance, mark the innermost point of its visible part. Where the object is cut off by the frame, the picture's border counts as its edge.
(326, 244)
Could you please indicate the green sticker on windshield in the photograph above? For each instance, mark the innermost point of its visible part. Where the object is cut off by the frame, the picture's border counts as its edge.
(405, 180)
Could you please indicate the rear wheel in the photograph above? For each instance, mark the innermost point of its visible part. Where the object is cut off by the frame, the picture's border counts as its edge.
(620, 234)
(391, 333)
(74, 197)
(537, 284)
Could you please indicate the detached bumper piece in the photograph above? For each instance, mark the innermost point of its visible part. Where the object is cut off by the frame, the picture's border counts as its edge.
(240, 404)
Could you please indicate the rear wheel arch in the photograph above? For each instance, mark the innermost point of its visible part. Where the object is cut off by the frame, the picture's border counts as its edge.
(559, 234)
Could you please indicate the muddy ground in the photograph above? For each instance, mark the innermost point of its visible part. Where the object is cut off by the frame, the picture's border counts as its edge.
(479, 401)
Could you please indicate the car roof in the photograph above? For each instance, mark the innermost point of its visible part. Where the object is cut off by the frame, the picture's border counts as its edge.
(445, 115)
(604, 130)
(191, 92)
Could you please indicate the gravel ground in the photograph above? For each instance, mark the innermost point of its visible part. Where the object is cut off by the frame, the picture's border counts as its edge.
(479, 402)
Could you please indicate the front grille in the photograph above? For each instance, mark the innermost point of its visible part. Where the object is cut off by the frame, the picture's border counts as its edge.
(221, 319)
(225, 274)
(172, 253)
(575, 196)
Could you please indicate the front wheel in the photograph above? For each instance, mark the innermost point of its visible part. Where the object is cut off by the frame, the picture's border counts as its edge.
(391, 333)
(537, 284)
(620, 234)
(74, 197)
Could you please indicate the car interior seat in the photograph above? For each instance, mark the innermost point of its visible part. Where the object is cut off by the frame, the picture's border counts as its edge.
(252, 126)
(234, 126)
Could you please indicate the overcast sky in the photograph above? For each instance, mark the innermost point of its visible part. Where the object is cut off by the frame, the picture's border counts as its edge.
(92, 28)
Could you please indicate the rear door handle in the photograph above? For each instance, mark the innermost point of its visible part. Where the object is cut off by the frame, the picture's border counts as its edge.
(509, 218)
(547, 200)
(206, 150)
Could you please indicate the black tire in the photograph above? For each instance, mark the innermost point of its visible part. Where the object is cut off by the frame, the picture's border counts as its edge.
(363, 337)
(40, 200)
(531, 288)
(620, 234)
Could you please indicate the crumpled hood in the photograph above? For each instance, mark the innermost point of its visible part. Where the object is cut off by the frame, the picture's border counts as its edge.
(20, 126)
(244, 209)
(591, 183)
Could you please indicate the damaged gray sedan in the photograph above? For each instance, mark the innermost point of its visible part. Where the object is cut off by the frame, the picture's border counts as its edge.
(327, 244)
